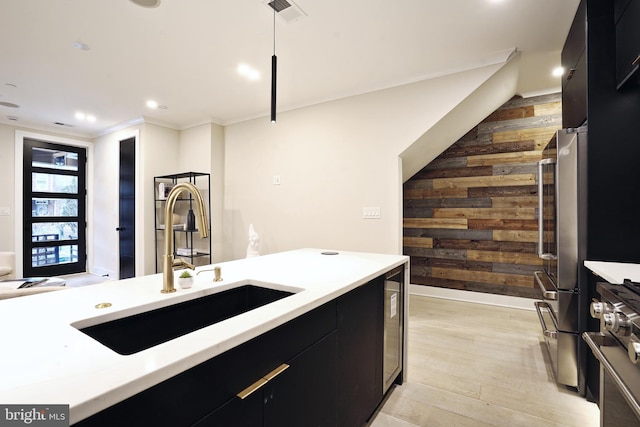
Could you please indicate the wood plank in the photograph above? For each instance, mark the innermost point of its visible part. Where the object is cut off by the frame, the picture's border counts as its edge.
(520, 190)
(485, 245)
(418, 242)
(515, 235)
(453, 162)
(483, 277)
(496, 148)
(535, 122)
(485, 213)
(503, 224)
(515, 168)
(504, 158)
(434, 253)
(541, 135)
(515, 202)
(456, 172)
(510, 114)
(486, 181)
(442, 233)
(424, 193)
(447, 203)
(461, 264)
(548, 108)
(457, 223)
(504, 257)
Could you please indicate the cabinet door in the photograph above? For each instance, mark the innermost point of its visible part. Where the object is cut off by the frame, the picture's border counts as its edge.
(360, 342)
(237, 413)
(574, 96)
(627, 40)
(305, 394)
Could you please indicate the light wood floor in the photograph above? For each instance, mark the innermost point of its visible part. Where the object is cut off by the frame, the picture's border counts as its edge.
(478, 365)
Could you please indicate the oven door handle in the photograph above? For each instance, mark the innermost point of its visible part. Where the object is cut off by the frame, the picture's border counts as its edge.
(549, 333)
(548, 292)
(592, 339)
(541, 253)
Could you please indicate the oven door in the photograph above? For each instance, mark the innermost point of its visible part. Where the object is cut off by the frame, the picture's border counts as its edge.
(619, 382)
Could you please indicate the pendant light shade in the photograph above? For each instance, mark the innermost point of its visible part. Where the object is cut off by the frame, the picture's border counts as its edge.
(274, 67)
(274, 78)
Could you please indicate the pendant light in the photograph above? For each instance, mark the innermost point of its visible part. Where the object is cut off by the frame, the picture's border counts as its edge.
(274, 68)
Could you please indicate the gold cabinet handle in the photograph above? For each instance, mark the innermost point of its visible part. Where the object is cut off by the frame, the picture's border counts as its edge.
(635, 61)
(262, 381)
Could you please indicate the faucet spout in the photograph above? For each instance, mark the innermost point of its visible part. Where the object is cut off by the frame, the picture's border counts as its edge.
(168, 262)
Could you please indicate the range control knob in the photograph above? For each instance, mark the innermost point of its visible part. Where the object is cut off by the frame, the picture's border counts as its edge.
(597, 309)
(634, 349)
(617, 323)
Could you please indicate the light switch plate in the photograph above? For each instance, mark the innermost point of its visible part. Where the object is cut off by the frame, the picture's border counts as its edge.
(371, 212)
(276, 180)
(5, 212)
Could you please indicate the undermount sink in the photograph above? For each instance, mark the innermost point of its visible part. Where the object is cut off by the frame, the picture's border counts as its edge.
(129, 335)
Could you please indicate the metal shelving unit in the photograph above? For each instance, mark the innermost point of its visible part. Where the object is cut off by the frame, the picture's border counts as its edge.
(187, 244)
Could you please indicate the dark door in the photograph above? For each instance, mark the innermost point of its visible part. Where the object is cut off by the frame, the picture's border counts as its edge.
(54, 209)
(127, 210)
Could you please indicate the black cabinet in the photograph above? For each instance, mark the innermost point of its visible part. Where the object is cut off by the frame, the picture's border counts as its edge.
(323, 368)
(302, 395)
(627, 18)
(574, 80)
(360, 346)
(190, 396)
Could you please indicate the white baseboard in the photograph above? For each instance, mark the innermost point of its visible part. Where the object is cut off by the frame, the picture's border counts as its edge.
(476, 297)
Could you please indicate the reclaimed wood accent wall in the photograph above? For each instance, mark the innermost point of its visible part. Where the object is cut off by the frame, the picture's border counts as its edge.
(470, 216)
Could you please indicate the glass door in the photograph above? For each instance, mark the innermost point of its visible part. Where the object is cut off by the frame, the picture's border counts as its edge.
(54, 194)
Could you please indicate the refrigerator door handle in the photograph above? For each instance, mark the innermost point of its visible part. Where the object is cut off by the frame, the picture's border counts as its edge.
(549, 292)
(541, 253)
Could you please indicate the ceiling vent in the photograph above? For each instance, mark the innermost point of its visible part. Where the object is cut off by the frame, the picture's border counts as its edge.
(286, 9)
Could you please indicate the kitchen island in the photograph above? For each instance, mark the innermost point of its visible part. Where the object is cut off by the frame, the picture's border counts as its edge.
(46, 359)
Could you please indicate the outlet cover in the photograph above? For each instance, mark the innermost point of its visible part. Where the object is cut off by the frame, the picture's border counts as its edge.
(276, 180)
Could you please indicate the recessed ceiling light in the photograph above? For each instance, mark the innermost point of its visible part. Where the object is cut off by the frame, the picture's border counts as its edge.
(91, 118)
(146, 3)
(80, 116)
(557, 72)
(152, 104)
(81, 46)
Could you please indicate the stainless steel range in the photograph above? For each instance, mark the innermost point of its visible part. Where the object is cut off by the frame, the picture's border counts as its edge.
(617, 348)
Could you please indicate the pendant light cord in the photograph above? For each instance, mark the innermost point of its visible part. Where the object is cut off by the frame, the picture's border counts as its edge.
(274, 27)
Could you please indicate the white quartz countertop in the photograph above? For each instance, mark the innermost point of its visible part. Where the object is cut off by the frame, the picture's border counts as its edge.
(614, 272)
(46, 360)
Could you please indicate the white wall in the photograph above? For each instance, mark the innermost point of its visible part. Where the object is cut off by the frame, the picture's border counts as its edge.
(333, 159)
(157, 151)
(7, 189)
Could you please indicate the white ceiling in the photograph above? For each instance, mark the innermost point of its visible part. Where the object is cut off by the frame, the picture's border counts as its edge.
(184, 54)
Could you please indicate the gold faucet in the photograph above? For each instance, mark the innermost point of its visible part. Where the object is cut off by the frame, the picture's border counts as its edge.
(168, 262)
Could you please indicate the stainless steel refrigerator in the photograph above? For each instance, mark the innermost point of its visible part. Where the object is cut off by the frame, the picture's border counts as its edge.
(563, 281)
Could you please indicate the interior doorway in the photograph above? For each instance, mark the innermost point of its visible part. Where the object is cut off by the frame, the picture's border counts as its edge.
(127, 209)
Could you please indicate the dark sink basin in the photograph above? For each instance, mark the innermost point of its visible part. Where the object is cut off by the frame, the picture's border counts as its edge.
(141, 331)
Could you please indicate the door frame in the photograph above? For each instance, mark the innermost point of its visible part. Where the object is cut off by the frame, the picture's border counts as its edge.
(18, 193)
